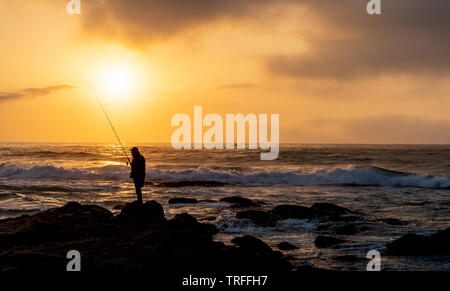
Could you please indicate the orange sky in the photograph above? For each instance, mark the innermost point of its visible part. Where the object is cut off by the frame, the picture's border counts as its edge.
(332, 72)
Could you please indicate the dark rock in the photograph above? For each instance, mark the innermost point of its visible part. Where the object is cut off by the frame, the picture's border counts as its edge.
(323, 241)
(323, 226)
(258, 217)
(51, 225)
(251, 244)
(208, 218)
(238, 201)
(286, 246)
(329, 209)
(420, 245)
(348, 229)
(292, 211)
(118, 207)
(291, 258)
(187, 221)
(393, 221)
(138, 240)
(184, 220)
(440, 242)
(348, 258)
(308, 268)
(343, 218)
(178, 200)
(410, 244)
(150, 210)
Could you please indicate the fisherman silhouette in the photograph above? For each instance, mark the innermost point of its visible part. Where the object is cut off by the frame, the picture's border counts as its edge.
(138, 172)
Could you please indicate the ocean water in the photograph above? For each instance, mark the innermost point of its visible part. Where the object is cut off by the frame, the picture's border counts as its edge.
(406, 182)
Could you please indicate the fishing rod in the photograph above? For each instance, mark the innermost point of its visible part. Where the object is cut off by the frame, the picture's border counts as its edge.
(110, 123)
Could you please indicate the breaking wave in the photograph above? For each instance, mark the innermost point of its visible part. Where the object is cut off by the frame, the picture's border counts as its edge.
(351, 175)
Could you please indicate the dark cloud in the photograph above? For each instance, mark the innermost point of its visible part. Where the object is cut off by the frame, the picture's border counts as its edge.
(141, 21)
(390, 128)
(32, 92)
(411, 36)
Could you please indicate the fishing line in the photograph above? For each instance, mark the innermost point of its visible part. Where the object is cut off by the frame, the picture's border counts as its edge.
(110, 123)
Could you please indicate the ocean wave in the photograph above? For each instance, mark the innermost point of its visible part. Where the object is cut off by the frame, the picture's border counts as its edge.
(53, 154)
(15, 171)
(350, 175)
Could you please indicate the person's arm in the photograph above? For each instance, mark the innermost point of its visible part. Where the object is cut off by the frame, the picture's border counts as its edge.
(132, 164)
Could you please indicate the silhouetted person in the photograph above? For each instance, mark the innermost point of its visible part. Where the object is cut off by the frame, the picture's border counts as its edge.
(138, 172)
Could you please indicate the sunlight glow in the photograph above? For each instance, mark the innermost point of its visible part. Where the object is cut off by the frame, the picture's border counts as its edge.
(116, 83)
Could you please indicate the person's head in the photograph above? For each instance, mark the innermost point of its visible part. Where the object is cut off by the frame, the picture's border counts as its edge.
(135, 152)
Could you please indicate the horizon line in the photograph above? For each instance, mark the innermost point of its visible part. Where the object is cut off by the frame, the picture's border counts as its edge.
(281, 143)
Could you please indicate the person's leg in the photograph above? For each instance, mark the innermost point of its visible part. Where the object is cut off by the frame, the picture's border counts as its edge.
(138, 191)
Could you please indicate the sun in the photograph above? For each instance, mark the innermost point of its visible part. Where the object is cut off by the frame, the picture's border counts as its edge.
(115, 82)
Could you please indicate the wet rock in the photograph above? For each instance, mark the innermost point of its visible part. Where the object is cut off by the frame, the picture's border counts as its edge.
(292, 211)
(329, 209)
(393, 221)
(184, 220)
(252, 244)
(208, 218)
(238, 201)
(348, 229)
(52, 225)
(323, 226)
(150, 210)
(420, 245)
(138, 240)
(179, 200)
(118, 207)
(348, 258)
(187, 221)
(308, 268)
(258, 249)
(323, 241)
(258, 217)
(286, 246)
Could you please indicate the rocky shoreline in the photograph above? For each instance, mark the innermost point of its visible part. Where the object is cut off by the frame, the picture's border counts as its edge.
(141, 239)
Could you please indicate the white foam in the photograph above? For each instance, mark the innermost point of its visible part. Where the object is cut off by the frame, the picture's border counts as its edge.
(351, 175)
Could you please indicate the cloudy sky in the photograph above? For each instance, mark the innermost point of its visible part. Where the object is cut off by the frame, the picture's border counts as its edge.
(333, 72)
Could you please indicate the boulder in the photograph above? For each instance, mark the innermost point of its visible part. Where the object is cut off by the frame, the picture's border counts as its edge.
(349, 258)
(323, 241)
(139, 240)
(179, 200)
(420, 245)
(348, 229)
(150, 210)
(238, 201)
(329, 209)
(187, 221)
(258, 217)
(308, 269)
(286, 246)
(392, 221)
(292, 211)
(56, 224)
(251, 244)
